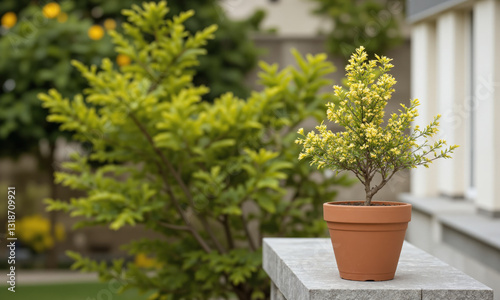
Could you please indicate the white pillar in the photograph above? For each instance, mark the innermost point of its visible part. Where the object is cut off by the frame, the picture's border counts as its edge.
(486, 77)
(451, 97)
(423, 87)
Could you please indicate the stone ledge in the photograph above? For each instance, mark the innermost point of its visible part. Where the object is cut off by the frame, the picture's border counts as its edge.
(305, 269)
(460, 215)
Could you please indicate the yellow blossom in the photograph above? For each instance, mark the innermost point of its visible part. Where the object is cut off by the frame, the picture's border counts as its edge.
(34, 231)
(123, 60)
(9, 19)
(51, 10)
(109, 24)
(62, 17)
(143, 261)
(365, 140)
(96, 32)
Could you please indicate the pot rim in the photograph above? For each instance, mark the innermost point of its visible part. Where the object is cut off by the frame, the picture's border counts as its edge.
(400, 212)
(393, 203)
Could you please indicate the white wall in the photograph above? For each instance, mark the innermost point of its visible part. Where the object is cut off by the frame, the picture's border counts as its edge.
(458, 69)
(486, 74)
(424, 181)
(451, 62)
(289, 17)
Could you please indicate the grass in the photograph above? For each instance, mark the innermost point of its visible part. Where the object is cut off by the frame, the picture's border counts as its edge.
(70, 291)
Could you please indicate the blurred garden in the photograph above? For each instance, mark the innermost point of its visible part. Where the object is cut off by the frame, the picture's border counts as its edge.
(150, 145)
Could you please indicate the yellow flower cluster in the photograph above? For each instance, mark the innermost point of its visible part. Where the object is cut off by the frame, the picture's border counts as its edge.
(51, 10)
(143, 261)
(109, 24)
(9, 19)
(366, 145)
(96, 32)
(34, 231)
(123, 60)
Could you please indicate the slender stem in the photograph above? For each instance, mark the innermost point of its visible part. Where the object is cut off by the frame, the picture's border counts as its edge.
(247, 232)
(227, 230)
(174, 199)
(175, 227)
(178, 179)
(184, 217)
(368, 179)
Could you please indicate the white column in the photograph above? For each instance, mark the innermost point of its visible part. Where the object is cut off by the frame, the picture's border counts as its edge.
(423, 87)
(451, 95)
(486, 77)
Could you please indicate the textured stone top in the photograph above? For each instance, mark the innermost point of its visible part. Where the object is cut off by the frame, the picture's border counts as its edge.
(305, 269)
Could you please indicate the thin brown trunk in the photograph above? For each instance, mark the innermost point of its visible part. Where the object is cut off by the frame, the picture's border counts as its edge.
(227, 230)
(368, 191)
(368, 199)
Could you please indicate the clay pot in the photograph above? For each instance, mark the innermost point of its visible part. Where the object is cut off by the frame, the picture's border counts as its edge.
(367, 240)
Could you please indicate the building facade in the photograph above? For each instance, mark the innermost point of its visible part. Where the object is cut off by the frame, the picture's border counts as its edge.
(455, 72)
(290, 18)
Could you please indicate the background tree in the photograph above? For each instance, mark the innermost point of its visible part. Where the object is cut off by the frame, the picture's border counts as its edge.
(40, 38)
(212, 178)
(36, 51)
(370, 23)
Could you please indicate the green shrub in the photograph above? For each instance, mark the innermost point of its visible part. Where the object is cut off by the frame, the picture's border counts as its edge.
(36, 56)
(37, 50)
(212, 178)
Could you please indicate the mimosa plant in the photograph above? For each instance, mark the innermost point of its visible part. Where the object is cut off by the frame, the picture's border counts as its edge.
(367, 148)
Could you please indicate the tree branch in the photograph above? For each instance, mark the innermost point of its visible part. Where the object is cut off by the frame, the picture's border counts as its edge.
(178, 179)
(227, 230)
(358, 176)
(376, 188)
(195, 233)
(175, 227)
(247, 232)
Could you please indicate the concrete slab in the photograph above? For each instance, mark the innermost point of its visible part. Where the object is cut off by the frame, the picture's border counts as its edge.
(305, 269)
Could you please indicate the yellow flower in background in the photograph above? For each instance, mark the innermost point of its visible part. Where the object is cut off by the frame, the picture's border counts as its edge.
(123, 60)
(109, 24)
(9, 19)
(34, 231)
(62, 17)
(95, 32)
(59, 232)
(51, 10)
(143, 261)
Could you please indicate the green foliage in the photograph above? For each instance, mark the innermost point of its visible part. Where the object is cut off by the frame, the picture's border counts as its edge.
(370, 23)
(366, 147)
(212, 178)
(36, 55)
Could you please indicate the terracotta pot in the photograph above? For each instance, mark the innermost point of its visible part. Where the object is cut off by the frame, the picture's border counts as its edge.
(367, 240)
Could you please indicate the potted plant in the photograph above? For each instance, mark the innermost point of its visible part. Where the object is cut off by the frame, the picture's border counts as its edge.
(367, 236)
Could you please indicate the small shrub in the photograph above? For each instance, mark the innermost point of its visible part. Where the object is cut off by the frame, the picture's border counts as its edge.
(212, 178)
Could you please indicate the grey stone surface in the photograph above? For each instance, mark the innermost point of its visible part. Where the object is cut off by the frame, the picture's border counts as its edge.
(461, 216)
(475, 225)
(435, 205)
(456, 294)
(468, 244)
(305, 269)
(276, 293)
